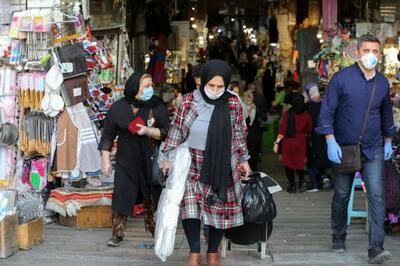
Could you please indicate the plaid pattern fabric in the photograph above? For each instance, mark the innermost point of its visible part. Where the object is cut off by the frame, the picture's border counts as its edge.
(199, 200)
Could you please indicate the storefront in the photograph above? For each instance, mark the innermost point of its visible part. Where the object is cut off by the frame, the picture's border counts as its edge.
(62, 65)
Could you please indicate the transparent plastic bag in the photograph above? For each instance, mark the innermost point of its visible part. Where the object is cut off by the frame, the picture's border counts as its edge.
(170, 199)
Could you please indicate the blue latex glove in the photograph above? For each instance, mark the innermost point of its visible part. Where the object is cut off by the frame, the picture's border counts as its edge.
(388, 150)
(334, 151)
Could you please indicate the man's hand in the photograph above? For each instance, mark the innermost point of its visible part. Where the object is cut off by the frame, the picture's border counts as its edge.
(388, 150)
(334, 151)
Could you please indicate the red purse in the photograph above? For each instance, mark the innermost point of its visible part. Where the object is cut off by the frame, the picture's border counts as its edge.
(132, 126)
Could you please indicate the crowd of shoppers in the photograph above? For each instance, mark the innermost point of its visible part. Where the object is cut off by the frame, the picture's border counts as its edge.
(223, 124)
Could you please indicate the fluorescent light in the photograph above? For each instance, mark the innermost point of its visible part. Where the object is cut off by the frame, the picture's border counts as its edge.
(194, 26)
(211, 37)
(273, 44)
(232, 19)
(192, 19)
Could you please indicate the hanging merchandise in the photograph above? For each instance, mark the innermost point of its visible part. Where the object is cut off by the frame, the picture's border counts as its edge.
(72, 60)
(8, 134)
(75, 90)
(77, 142)
(8, 131)
(35, 134)
(52, 103)
(32, 87)
(337, 52)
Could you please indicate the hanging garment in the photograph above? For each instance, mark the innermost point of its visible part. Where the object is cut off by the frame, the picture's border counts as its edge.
(67, 144)
(89, 159)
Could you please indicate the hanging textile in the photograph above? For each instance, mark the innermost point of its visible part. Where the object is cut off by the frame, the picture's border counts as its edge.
(329, 14)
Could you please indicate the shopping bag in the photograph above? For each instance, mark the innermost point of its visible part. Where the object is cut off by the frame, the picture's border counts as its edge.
(257, 204)
(170, 199)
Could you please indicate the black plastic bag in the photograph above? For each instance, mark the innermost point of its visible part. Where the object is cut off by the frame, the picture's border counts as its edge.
(257, 204)
(248, 234)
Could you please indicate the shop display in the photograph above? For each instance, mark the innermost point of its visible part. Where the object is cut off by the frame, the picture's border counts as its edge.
(57, 83)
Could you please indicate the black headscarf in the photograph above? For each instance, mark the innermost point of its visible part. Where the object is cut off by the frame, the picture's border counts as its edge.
(298, 107)
(216, 167)
(131, 90)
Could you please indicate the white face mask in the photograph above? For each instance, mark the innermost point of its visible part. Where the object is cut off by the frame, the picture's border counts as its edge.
(369, 61)
(213, 95)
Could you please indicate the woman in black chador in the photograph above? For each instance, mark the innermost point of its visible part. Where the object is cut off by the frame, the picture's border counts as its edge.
(133, 168)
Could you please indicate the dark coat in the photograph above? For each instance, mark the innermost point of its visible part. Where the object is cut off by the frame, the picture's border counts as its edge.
(133, 152)
(318, 155)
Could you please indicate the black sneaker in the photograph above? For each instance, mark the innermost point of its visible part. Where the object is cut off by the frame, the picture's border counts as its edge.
(378, 255)
(338, 245)
(114, 241)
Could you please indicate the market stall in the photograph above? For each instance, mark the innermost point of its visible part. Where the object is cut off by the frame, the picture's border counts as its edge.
(59, 75)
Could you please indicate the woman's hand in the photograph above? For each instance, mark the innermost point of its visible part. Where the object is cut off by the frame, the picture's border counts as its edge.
(276, 148)
(165, 167)
(106, 168)
(246, 169)
(143, 130)
(151, 132)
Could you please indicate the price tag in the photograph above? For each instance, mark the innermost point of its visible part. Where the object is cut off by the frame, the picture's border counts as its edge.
(77, 92)
(67, 67)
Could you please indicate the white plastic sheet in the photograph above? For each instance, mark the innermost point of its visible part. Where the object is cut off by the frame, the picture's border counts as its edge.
(168, 206)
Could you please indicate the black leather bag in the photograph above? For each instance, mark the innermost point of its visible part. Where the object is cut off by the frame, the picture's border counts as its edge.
(157, 177)
(351, 159)
(351, 154)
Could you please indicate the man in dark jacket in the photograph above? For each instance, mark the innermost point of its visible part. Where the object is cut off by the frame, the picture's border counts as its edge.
(341, 120)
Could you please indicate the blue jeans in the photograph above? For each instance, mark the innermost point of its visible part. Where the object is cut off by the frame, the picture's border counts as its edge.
(372, 174)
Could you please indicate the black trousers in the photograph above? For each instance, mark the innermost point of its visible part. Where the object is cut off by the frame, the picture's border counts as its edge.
(192, 232)
(291, 178)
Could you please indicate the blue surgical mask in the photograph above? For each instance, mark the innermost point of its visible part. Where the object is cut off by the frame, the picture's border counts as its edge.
(369, 61)
(147, 93)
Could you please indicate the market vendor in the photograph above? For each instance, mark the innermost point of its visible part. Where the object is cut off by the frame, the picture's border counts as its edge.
(134, 149)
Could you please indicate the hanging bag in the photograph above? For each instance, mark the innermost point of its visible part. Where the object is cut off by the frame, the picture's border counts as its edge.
(75, 90)
(257, 204)
(72, 60)
(351, 154)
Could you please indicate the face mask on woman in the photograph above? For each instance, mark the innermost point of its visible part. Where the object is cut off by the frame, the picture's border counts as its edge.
(213, 95)
(147, 93)
(369, 61)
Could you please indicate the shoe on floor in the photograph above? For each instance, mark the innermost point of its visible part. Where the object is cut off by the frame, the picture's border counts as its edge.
(327, 182)
(213, 259)
(313, 190)
(338, 245)
(291, 189)
(194, 259)
(378, 256)
(114, 241)
(302, 187)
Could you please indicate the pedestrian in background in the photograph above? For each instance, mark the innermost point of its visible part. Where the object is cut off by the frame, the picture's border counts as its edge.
(341, 120)
(318, 161)
(295, 126)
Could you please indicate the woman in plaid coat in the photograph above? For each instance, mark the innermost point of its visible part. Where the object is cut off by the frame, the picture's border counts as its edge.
(211, 120)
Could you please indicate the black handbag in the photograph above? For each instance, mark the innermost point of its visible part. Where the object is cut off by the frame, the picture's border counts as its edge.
(157, 177)
(351, 154)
